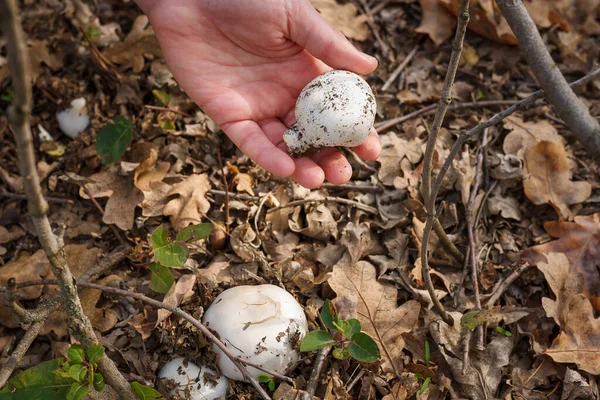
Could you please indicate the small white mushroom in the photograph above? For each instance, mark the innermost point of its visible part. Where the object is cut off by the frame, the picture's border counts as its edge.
(74, 120)
(192, 381)
(263, 324)
(336, 109)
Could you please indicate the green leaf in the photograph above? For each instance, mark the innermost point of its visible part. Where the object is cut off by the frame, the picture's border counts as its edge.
(473, 319)
(271, 385)
(363, 348)
(166, 120)
(76, 371)
(162, 279)
(8, 96)
(93, 33)
(98, 382)
(264, 378)
(94, 352)
(424, 386)
(40, 382)
(77, 391)
(76, 353)
(166, 252)
(352, 327)
(427, 353)
(317, 340)
(503, 331)
(329, 315)
(194, 232)
(161, 97)
(113, 139)
(145, 392)
(340, 354)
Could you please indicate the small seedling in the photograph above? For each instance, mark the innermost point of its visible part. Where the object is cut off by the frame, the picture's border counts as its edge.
(428, 372)
(82, 367)
(345, 335)
(268, 380)
(503, 331)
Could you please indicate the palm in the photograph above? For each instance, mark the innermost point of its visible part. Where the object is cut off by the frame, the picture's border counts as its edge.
(239, 65)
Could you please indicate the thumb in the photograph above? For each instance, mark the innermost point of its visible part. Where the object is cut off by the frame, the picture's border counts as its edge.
(310, 30)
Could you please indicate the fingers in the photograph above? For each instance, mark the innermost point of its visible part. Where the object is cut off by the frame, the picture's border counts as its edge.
(370, 150)
(308, 173)
(335, 166)
(311, 31)
(253, 142)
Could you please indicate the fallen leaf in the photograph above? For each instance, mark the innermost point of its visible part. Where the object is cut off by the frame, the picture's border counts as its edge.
(526, 134)
(191, 205)
(140, 41)
(394, 149)
(344, 18)
(579, 242)
(320, 223)
(465, 167)
(579, 339)
(217, 272)
(38, 55)
(506, 206)
(436, 21)
(547, 179)
(178, 294)
(244, 183)
(377, 308)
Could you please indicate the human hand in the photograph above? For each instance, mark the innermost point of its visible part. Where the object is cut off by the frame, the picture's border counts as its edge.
(245, 62)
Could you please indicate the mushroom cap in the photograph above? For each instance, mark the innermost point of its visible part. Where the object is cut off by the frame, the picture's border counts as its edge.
(263, 323)
(336, 108)
(191, 380)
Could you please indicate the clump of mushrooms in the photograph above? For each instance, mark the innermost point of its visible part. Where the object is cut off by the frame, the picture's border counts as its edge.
(336, 109)
(263, 324)
(193, 382)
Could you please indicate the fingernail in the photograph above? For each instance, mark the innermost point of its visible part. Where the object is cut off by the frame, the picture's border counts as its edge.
(369, 58)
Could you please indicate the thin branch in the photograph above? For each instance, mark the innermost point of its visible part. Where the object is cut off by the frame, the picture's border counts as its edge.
(17, 196)
(352, 203)
(313, 382)
(568, 106)
(19, 113)
(505, 284)
(428, 196)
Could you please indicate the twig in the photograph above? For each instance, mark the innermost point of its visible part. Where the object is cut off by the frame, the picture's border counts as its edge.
(371, 21)
(428, 193)
(313, 382)
(237, 361)
(430, 109)
(505, 284)
(268, 371)
(568, 106)
(19, 113)
(356, 188)
(5, 193)
(226, 184)
(399, 69)
(158, 108)
(356, 204)
(107, 262)
(241, 196)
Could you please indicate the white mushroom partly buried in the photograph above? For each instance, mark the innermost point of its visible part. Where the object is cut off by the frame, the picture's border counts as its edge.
(193, 382)
(263, 324)
(74, 120)
(336, 109)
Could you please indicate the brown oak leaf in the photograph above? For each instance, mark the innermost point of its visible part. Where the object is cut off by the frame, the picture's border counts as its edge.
(579, 339)
(579, 241)
(191, 205)
(377, 309)
(140, 41)
(548, 179)
(344, 17)
(526, 134)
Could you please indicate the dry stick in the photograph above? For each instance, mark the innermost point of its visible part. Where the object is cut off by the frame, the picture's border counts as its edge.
(445, 99)
(399, 69)
(226, 185)
(78, 324)
(313, 382)
(568, 106)
(340, 200)
(158, 108)
(237, 361)
(430, 109)
(505, 284)
(356, 188)
(371, 21)
(17, 196)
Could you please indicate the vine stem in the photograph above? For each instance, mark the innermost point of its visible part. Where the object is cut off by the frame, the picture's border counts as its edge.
(427, 192)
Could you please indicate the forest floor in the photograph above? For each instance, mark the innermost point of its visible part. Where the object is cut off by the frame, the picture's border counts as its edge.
(535, 207)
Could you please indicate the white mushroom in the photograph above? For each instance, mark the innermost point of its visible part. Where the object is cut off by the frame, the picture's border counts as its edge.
(263, 324)
(192, 381)
(74, 120)
(336, 108)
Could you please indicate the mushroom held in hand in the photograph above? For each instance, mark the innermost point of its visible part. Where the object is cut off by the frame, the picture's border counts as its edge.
(263, 324)
(336, 108)
(193, 382)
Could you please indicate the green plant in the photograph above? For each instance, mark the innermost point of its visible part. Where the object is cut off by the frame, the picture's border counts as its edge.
(345, 335)
(172, 253)
(428, 373)
(268, 380)
(113, 139)
(145, 392)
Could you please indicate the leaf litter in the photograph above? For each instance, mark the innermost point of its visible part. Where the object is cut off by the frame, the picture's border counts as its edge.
(537, 204)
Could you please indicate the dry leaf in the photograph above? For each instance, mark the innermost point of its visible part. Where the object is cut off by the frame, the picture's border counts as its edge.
(38, 55)
(244, 183)
(344, 18)
(320, 223)
(579, 242)
(217, 272)
(140, 41)
(499, 204)
(148, 178)
(394, 149)
(191, 205)
(178, 294)
(548, 179)
(465, 167)
(526, 134)
(377, 308)
(579, 339)
(436, 21)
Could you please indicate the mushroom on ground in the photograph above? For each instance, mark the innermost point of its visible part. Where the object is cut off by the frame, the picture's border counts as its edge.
(263, 324)
(336, 108)
(193, 382)
(74, 120)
